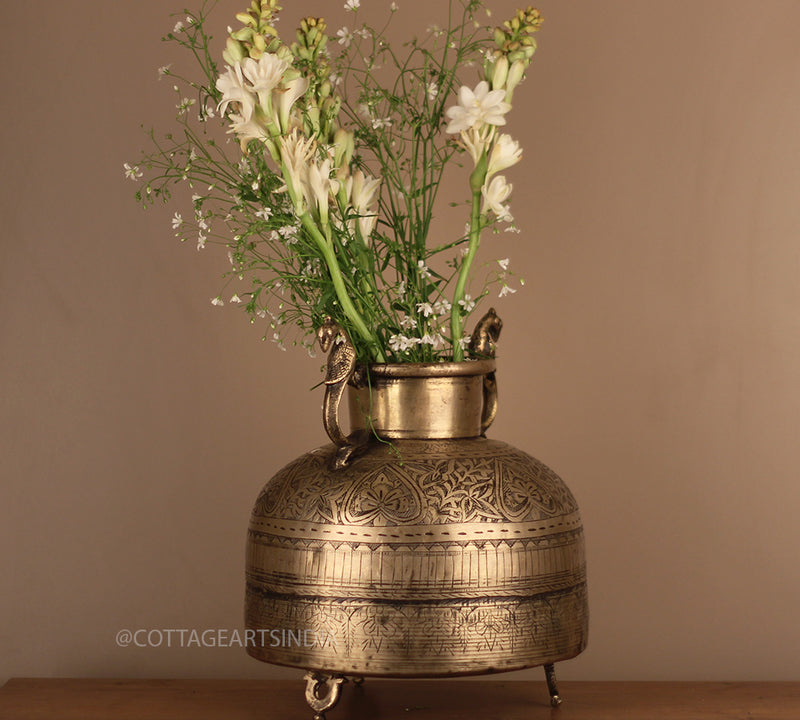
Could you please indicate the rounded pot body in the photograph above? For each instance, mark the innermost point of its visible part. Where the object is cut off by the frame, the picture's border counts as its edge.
(432, 552)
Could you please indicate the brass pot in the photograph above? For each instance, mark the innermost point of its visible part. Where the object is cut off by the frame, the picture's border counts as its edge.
(430, 550)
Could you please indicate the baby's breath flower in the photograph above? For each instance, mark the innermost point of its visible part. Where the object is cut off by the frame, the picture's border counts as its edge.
(178, 27)
(163, 71)
(184, 105)
(442, 307)
(503, 263)
(177, 221)
(425, 308)
(345, 36)
(424, 272)
(467, 303)
(217, 301)
(132, 172)
(235, 298)
(352, 5)
(506, 290)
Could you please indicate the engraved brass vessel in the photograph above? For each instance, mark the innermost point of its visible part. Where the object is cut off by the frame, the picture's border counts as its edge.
(415, 546)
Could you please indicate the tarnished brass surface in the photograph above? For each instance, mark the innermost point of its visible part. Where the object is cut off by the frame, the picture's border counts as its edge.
(414, 546)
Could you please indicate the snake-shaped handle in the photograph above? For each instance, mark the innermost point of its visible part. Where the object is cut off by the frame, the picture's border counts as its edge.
(482, 345)
(338, 371)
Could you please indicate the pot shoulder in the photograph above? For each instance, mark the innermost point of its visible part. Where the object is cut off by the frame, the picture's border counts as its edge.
(418, 482)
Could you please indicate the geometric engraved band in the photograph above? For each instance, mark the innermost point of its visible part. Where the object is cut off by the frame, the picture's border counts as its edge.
(404, 571)
(423, 639)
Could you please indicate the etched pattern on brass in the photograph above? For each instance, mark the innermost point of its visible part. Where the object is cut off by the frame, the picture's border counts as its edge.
(465, 556)
(438, 482)
(413, 639)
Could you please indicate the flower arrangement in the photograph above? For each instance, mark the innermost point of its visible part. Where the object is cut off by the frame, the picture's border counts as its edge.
(325, 202)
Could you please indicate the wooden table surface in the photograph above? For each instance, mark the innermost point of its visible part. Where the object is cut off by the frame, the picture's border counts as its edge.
(68, 699)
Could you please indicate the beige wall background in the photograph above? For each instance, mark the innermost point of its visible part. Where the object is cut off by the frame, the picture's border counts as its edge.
(653, 358)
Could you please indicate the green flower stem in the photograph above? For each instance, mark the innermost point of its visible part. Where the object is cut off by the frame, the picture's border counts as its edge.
(476, 180)
(326, 248)
(338, 284)
(456, 320)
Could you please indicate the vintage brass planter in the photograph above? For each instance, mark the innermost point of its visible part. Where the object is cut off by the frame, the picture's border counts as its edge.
(415, 546)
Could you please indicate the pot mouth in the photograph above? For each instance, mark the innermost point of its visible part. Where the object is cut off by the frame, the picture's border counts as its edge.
(467, 368)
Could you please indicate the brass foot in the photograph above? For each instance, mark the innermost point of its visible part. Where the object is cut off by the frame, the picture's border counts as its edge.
(552, 687)
(322, 692)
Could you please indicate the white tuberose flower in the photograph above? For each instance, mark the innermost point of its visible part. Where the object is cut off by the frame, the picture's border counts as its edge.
(232, 86)
(287, 97)
(264, 74)
(505, 153)
(494, 196)
(477, 106)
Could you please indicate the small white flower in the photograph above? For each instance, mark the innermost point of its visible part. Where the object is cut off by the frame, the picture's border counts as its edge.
(423, 269)
(435, 341)
(432, 91)
(503, 263)
(335, 79)
(408, 323)
(399, 343)
(276, 338)
(217, 301)
(345, 36)
(184, 105)
(264, 213)
(352, 5)
(235, 298)
(132, 173)
(442, 307)
(401, 288)
(201, 241)
(378, 123)
(506, 290)
(177, 221)
(178, 27)
(425, 308)
(393, 7)
(163, 71)
(467, 303)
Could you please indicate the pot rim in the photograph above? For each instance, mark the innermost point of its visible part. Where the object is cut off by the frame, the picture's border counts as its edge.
(465, 368)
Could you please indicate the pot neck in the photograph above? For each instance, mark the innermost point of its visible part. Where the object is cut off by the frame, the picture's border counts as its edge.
(425, 400)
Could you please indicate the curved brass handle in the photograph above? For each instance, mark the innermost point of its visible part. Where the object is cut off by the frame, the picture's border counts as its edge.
(338, 371)
(483, 344)
(489, 401)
